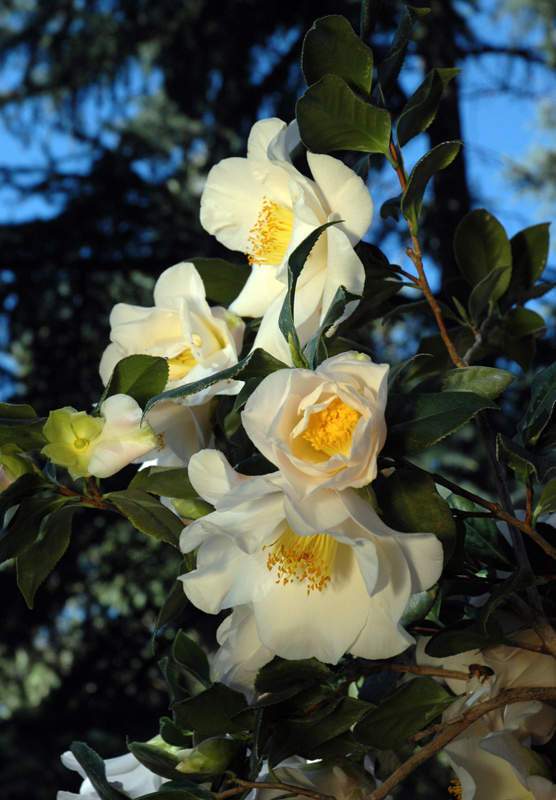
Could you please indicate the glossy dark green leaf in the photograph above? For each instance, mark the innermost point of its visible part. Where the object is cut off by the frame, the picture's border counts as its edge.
(523, 322)
(481, 245)
(389, 69)
(420, 110)
(147, 514)
(94, 768)
(35, 564)
(488, 291)
(139, 376)
(258, 363)
(417, 421)
(25, 527)
(223, 281)
(281, 674)
(370, 12)
(547, 500)
(16, 411)
(483, 538)
(417, 608)
(25, 486)
(191, 656)
(517, 582)
(211, 711)
(539, 410)
(296, 262)
(23, 431)
(157, 760)
(305, 734)
(392, 208)
(332, 117)
(411, 503)
(403, 712)
(516, 457)
(164, 481)
(211, 758)
(436, 159)
(462, 637)
(174, 735)
(529, 255)
(316, 350)
(175, 601)
(486, 381)
(331, 47)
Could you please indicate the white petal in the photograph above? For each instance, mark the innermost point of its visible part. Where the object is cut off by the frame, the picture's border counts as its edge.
(241, 654)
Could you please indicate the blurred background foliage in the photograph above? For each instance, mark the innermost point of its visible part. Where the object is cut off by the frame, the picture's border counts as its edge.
(150, 96)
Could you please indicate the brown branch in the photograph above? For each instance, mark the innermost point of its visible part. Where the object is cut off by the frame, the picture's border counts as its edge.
(545, 695)
(479, 337)
(529, 505)
(243, 785)
(415, 669)
(416, 257)
(399, 169)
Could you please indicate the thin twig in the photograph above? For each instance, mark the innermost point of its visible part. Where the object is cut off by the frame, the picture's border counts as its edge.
(415, 669)
(545, 695)
(479, 338)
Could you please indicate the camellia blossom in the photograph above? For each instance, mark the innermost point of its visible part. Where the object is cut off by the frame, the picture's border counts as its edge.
(99, 446)
(322, 577)
(322, 428)
(264, 207)
(492, 757)
(125, 773)
(346, 782)
(197, 340)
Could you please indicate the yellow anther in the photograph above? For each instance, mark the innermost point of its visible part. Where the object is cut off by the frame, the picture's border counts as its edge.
(299, 558)
(270, 235)
(331, 430)
(181, 365)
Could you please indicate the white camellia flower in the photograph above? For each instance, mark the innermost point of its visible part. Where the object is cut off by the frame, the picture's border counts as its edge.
(264, 207)
(323, 577)
(197, 340)
(99, 446)
(124, 772)
(492, 757)
(322, 428)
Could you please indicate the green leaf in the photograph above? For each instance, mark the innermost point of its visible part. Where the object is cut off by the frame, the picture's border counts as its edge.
(139, 376)
(463, 636)
(173, 735)
(299, 736)
(411, 504)
(389, 69)
(296, 262)
(420, 110)
(529, 255)
(164, 481)
(488, 291)
(211, 711)
(547, 500)
(432, 162)
(19, 425)
(514, 455)
(539, 410)
(316, 351)
(26, 525)
(483, 539)
(155, 759)
(485, 381)
(481, 245)
(332, 117)
(94, 768)
(258, 363)
(16, 411)
(417, 608)
(517, 582)
(392, 208)
(223, 281)
(406, 710)
(521, 321)
(280, 674)
(417, 421)
(36, 563)
(175, 601)
(370, 12)
(25, 486)
(331, 47)
(147, 514)
(211, 758)
(191, 656)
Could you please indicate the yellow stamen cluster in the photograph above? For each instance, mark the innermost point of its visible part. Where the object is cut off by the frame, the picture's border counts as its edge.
(270, 235)
(331, 430)
(299, 558)
(455, 789)
(80, 445)
(181, 365)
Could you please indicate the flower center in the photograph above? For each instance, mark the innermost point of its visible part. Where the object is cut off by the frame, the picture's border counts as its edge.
(181, 365)
(455, 789)
(270, 235)
(80, 444)
(303, 557)
(331, 430)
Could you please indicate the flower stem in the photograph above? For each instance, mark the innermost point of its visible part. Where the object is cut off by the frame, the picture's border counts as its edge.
(243, 785)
